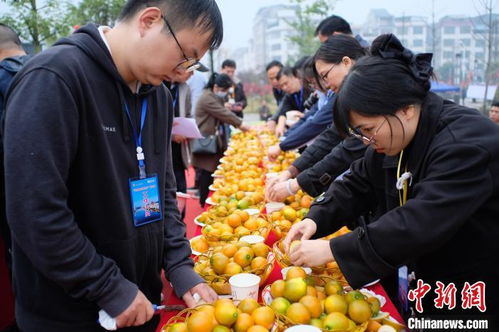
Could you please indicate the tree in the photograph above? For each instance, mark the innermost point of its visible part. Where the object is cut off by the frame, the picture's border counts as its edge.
(36, 23)
(308, 17)
(102, 12)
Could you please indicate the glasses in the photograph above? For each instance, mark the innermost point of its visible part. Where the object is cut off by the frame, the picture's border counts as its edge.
(324, 77)
(188, 64)
(355, 132)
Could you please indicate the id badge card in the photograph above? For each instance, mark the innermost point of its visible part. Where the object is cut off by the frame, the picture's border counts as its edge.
(145, 199)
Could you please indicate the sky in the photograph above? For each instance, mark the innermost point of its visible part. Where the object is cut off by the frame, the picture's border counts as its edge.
(238, 15)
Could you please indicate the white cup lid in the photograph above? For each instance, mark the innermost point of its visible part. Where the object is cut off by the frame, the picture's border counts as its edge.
(244, 280)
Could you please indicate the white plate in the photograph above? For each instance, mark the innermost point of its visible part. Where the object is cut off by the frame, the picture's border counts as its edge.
(253, 212)
(217, 176)
(194, 252)
(210, 202)
(371, 283)
(212, 188)
(199, 223)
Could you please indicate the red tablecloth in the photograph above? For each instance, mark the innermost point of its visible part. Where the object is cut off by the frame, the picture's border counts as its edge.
(171, 299)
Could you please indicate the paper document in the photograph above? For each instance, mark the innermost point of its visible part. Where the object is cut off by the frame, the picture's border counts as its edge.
(186, 127)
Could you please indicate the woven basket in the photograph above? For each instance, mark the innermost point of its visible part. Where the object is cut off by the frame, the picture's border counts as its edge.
(284, 322)
(220, 283)
(332, 270)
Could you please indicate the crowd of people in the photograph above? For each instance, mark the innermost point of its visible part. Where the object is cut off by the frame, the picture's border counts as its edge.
(91, 169)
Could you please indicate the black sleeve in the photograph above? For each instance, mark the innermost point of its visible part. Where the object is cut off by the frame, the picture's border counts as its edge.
(316, 179)
(240, 95)
(286, 105)
(41, 141)
(323, 145)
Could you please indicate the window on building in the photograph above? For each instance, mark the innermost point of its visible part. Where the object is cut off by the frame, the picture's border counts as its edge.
(449, 30)
(278, 58)
(273, 22)
(274, 35)
(465, 29)
(480, 43)
(401, 31)
(466, 42)
(276, 47)
(448, 55)
(479, 55)
(448, 42)
(417, 30)
(417, 43)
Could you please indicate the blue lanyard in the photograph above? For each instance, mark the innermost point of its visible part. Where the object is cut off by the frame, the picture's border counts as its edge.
(299, 101)
(138, 137)
(175, 98)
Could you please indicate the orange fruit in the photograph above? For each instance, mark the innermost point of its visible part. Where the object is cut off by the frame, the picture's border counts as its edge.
(248, 305)
(289, 213)
(354, 295)
(335, 303)
(243, 323)
(233, 269)
(234, 220)
(336, 321)
(311, 291)
(293, 245)
(178, 327)
(258, 263)
(264, 316)
(295, 289)
(240, 195)
(226, 313)
(229, 250)
(295, 272)
(280, 305)
(251, 224)
(306, 201)
(219, 262)
(244, 256)
(359, 311)
(257, 328)
(244, 215)
(373, 326)
(200, 321)
(333, 287)
(298, 313)
(210, 310)
(313, 305)
(200, 244)
(277, 288)
(260, 250)
(221, 328)
(321, 296)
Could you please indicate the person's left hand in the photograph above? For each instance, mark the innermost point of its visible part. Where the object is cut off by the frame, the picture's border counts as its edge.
(206, 293)
(179, 139)
(311, 253)
(273, 152)
(278, 192)
(237, 108)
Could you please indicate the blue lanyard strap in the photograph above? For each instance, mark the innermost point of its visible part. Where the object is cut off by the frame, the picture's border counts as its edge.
(137, 135)
(299, 101)
(175, 97)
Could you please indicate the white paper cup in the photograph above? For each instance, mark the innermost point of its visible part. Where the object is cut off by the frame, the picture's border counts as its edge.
(253, 212)
(286, 269)
(302, 328)
(252, 239)
(273, 206)
(244, 285)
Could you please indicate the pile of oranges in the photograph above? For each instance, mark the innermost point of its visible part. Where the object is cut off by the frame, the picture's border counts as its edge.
(231, 259)
(297, 207)
(329, 307)
(225, 316)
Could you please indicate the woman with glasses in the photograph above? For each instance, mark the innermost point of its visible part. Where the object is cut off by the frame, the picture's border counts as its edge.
(433, 168)
(211, 118)
(326, 158)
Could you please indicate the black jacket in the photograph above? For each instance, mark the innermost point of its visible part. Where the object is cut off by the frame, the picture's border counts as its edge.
(292, 102)
(69, 154)
(448, 229)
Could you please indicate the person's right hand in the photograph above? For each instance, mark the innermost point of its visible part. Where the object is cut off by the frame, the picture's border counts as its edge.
(280, 130)
(244, 127)
(302, 230)
(138, 312)
(274, 152)
(271, 125)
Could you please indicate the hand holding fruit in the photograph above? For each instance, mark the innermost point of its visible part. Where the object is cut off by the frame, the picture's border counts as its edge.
(302, 230)
(311, 253)
(274, 152)
(244, 127)
(279, 191)
(206, 293)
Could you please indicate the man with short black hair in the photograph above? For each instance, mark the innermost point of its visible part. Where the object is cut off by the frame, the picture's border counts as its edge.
(494, 112)
(236, 97)
(336, 25)
(89, 180)
(272, 70)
